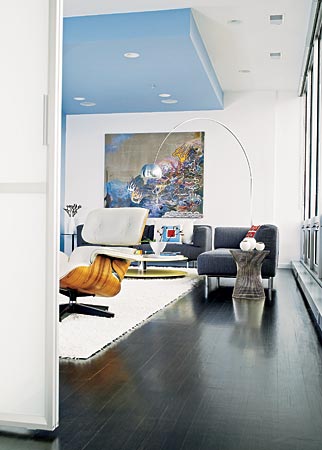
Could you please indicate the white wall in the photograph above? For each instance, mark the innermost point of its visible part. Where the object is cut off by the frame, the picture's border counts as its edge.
(267, 124)
(288, 175)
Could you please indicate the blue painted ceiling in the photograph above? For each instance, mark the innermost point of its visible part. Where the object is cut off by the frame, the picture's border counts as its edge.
(173, 60)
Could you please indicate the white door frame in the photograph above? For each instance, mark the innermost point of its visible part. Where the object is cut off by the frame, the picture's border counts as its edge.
(53, 209)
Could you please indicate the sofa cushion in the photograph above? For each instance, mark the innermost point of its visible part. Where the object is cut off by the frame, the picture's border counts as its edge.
(219, 262)
(190, 251)
(229, 237)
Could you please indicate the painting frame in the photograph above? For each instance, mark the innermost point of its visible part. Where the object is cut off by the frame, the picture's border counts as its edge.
(178, 193)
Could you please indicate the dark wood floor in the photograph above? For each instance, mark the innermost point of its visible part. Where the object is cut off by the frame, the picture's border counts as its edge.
(217, 375)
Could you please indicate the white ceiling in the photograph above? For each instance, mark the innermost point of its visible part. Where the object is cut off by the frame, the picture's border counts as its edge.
(234, 47)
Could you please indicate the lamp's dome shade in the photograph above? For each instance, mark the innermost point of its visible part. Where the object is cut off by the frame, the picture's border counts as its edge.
(151, 171)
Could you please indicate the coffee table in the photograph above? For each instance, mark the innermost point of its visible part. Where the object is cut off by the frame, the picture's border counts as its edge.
(143, 271)
(248, 285)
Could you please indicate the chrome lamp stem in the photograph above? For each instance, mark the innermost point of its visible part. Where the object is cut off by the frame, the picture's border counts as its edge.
(237, 140)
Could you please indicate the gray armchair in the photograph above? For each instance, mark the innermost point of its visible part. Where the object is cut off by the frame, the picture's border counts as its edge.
(220, 263)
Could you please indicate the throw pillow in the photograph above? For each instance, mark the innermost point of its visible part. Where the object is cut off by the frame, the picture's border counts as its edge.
(251, 232)
(187, 232)
(171, 234)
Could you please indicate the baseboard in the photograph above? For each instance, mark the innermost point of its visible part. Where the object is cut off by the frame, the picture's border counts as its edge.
(312, 292)
(285, 265)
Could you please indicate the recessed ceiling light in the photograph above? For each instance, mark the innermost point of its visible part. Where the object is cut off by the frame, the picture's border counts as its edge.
(164, 95)
(131, 55)
(87, 104)
(276, 19)
(79, 99)
(169, 101)
(234, 22)
(244, 71)
(275, 55)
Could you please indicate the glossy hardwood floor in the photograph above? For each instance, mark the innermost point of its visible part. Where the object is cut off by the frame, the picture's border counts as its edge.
(220, 375)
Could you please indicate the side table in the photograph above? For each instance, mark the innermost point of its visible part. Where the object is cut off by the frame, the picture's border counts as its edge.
(248, 285)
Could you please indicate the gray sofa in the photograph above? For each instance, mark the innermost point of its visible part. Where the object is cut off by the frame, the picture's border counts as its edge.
(201, 242)
(220, 263)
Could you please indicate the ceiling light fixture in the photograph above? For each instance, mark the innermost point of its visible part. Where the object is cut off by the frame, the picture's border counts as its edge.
(169, 101)
(275, 55)
(234, 22)
(244, 71)
(131, 55)
(276, 19)
(87, 104)
(79, 99)
(164, 95)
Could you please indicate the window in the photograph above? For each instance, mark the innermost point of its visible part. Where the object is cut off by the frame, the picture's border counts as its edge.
(307, 161)
(312, 205)
(312, 100)
(314, 157)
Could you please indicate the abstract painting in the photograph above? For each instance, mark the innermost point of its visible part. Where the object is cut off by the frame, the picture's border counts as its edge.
(178, 193)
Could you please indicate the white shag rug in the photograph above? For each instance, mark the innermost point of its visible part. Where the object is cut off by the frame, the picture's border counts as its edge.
(82, 336)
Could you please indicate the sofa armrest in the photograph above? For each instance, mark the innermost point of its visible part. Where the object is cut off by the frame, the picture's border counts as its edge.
(202, 237)
(268, 234)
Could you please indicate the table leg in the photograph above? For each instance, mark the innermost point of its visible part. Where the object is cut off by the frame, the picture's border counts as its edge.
(142, 267)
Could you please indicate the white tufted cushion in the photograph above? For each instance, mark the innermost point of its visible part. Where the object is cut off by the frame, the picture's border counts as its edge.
(115, 226)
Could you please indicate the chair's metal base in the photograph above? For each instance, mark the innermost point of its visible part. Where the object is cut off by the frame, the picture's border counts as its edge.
(80, 308)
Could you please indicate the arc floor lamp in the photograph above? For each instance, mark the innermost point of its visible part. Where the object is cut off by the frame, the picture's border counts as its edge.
(154, 170)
